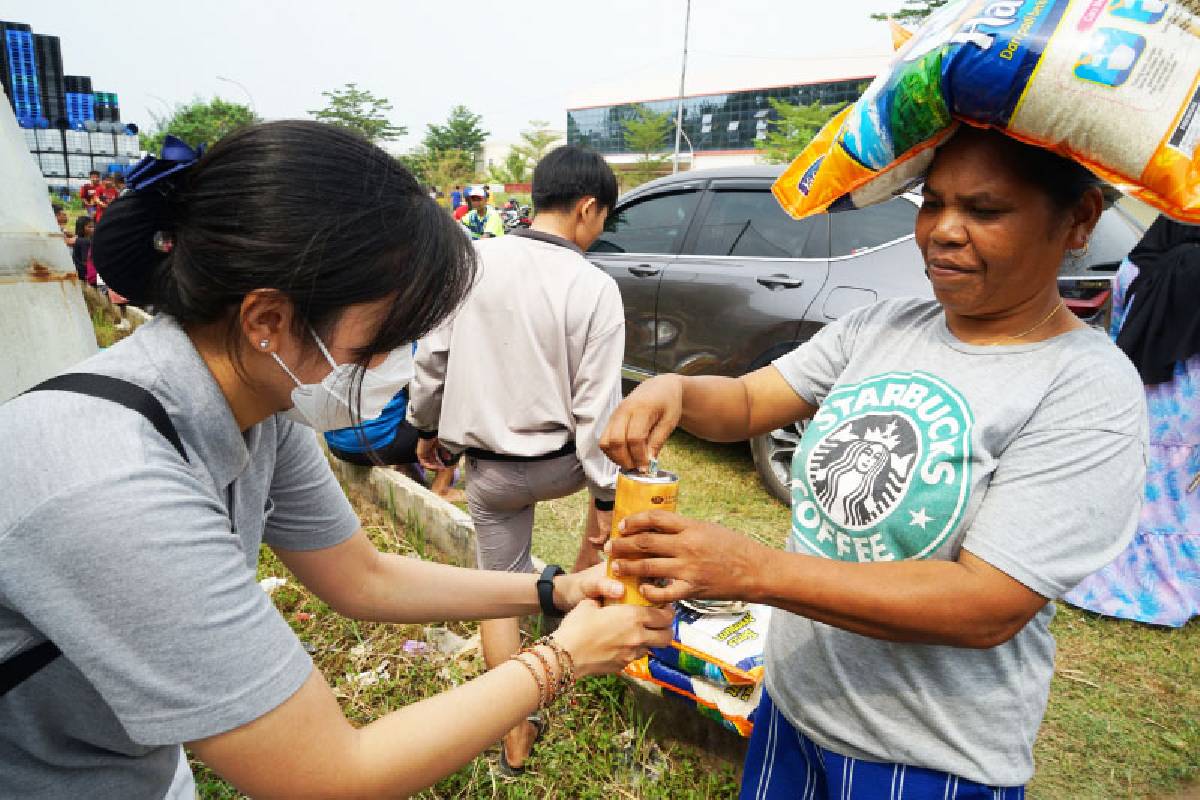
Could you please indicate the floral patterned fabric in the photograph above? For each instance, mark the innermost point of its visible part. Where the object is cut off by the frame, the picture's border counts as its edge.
(1157, 578)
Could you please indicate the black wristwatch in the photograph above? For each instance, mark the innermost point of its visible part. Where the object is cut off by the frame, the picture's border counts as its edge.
(545, 590)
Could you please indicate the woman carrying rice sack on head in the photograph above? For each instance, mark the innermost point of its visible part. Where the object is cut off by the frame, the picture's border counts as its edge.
(123, 636)
(966, 462)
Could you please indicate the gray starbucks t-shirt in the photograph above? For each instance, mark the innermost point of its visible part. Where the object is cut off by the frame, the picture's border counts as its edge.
(141, 568)
(1032, 457)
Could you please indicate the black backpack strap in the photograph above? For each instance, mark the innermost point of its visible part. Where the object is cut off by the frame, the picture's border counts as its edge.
(24, 665)
(118, 391)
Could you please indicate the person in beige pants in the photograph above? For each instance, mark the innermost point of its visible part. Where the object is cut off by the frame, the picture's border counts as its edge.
(522, 379)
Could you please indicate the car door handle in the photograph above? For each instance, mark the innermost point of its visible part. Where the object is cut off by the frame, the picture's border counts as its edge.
(781, 282)
(645, 270)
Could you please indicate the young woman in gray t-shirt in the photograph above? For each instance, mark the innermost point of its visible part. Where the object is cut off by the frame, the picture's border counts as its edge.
(130, 615)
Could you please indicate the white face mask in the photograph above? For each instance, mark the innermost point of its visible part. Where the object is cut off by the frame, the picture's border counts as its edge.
(325, 406)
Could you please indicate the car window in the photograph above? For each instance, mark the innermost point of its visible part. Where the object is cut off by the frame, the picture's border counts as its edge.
(854, 231)
(751, 223)
(653, 225)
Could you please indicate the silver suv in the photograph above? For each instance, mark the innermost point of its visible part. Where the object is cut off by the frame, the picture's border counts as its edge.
(717, 280)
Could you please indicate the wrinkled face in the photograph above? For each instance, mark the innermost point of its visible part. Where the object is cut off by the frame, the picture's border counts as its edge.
(990, 240)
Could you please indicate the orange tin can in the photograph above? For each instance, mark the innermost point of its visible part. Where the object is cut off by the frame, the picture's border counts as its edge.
(638, 492)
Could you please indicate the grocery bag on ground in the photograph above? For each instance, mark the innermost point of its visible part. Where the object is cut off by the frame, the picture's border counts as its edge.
(1113, 84)
(730, 706)
(725, 649)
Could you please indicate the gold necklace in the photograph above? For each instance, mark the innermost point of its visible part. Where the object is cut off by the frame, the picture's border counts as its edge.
(1023, 334)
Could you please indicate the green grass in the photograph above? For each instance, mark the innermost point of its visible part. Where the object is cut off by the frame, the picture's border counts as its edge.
(104, 319)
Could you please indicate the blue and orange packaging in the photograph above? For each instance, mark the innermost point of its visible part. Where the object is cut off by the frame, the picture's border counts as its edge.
(1112, 84)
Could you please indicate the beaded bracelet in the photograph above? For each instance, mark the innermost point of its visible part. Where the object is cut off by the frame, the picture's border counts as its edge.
(566, 663)
(554, 686)
(543, 698)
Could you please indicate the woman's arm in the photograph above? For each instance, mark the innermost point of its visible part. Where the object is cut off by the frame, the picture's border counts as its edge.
(359, 582)
(305, 748)
(965, 603)
(711, 407)
(1061, 503)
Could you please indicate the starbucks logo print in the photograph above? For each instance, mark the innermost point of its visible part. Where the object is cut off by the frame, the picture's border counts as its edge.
(883, 470)
(860, 471)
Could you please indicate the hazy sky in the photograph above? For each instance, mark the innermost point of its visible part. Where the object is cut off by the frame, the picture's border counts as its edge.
(509, 61)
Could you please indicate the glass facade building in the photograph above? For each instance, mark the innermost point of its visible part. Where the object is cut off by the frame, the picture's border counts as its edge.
(713, 122)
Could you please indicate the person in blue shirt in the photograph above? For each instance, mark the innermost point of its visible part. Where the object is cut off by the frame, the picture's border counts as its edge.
(456, 198)
(390, 440)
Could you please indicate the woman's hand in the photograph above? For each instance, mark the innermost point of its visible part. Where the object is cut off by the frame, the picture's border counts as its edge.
(603, 639)
(594, 583)
(701, 560)
(643, 421)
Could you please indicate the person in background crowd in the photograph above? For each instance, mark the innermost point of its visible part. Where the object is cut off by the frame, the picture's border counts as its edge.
(89, 193)
(390, 440)
(433, 193)
(64, 225)
(483, 221)
(456, 198)
(136, 632)
(465, 208)
(1156, 321)
(527, 406)
(968, 460)
(91, 276)
(118, 180)
(106, 194)
(81, 250)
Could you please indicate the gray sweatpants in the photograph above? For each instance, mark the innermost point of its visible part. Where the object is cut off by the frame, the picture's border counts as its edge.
(501, 496)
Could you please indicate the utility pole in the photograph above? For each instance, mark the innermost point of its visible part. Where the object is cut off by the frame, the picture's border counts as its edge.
(687, 20)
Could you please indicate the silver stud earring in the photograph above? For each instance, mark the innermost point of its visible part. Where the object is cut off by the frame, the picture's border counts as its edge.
(264, 344)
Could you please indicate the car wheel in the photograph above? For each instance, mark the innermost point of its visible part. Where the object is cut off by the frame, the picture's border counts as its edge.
(773, 458)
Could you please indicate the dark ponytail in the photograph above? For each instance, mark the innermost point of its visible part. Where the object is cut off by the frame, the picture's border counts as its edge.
(309, 209)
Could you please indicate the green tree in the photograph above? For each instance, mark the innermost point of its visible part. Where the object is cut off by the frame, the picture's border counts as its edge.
(462, 132)
(912, 11)
(536, 142)
(794, 127)
(514, 170)
(198, 122)
(359, 110)
(441, 169)
(646, 135)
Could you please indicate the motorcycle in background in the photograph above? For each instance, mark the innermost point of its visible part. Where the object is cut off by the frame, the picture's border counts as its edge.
(515, 216)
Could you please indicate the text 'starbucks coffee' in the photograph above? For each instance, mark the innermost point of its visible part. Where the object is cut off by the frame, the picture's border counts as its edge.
(638, 492)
